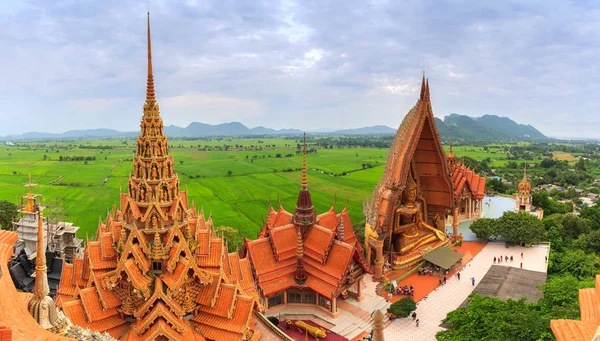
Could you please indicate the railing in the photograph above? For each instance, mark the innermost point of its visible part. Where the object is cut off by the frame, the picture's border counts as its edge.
(273, 327)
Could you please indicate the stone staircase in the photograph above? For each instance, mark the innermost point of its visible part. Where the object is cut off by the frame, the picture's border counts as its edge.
(351, 328)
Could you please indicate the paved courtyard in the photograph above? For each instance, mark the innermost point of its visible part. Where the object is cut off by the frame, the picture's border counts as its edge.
(505, 282)
(434, 308)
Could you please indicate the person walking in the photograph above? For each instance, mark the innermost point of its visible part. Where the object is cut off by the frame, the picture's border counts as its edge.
(511, 258)
(458, 275)
(473, 281)
(521, 255)
(414, 315)
(494, 259)
(521, 265)
(546, 259)
(417, 322)
(444, 279)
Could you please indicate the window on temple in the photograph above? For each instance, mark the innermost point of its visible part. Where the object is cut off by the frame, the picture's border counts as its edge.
(301, 296)
(276, 300)
(157, 267)
(324, 302)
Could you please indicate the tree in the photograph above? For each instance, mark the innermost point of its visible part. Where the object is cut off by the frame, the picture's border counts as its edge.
(487, 318)
(234, 240)
(573, 226)
(403, 307)
(575, 262)
(229, 172)
(8, 211)
(561, 297)
(484, 228)
(520, 227)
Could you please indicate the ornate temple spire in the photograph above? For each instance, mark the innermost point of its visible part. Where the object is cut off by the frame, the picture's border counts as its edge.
(304, 177)
(41, 288)
(30, 206)
(41, 306)
(378, 326)
(300, 275)
(427, 98)
(304, 216)
(150, 95)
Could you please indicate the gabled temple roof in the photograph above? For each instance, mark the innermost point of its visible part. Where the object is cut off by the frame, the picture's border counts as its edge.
(464, 177)
(416, 149)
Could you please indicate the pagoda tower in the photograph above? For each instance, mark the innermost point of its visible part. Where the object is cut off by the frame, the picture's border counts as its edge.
(156, 269)
(26, 226)
(523, 193)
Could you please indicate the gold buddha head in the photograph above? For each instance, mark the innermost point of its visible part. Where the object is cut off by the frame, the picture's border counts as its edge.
(410, 195)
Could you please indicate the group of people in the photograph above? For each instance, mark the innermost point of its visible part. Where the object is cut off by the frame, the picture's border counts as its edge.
(506, 259)
(405, 290)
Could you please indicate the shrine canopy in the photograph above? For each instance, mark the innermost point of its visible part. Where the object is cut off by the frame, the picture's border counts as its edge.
(443, 257)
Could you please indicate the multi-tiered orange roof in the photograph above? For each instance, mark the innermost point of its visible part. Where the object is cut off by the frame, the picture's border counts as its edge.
(464, 177)
(305, 250)
(156, 269)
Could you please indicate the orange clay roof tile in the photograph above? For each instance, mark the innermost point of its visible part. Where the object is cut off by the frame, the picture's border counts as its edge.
(284, 240)
(66, 287)
(93, 307)
(225, 300)
(242, 313)
(75, 312)
(570, 330)
(107, 246)
(214, 258)
(283, 217)
(318, 241)
(107, 297)
(328, 220)
(96, 260)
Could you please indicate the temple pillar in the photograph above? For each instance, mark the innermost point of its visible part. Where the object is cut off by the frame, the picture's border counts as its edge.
(285, 297)
(378, 273)
(334, 305)
(359, 296)
(470, 208)
(455, 222)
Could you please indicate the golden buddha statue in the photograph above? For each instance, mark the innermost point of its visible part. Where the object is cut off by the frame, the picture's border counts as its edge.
(410, 229)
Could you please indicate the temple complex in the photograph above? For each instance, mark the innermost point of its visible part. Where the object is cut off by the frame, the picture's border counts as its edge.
(302, 258)
(468, 189)
(156, 269)
(405, 218)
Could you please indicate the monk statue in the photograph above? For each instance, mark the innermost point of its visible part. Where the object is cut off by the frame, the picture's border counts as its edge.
(154, 172)
(142, 194)
(154, 222)
(410, 229)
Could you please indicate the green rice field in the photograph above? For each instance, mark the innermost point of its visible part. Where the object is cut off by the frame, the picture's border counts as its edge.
(239, 199)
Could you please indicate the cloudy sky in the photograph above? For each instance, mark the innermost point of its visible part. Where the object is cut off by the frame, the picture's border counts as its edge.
(306, 64)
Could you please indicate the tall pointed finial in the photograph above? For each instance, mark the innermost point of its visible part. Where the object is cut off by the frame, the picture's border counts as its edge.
(304, 177)
(41, 288)
(150, 95)
(427, 98)
(423, 87)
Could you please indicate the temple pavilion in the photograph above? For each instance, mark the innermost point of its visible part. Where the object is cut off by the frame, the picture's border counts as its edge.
(468, 189)
(156, 270)
(302, 258)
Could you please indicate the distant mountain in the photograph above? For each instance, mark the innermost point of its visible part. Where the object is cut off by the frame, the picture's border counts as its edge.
(486, 128)
(374, 130)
